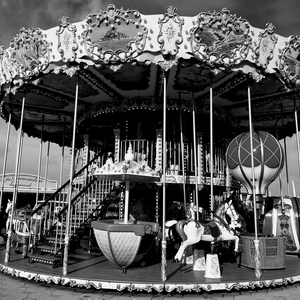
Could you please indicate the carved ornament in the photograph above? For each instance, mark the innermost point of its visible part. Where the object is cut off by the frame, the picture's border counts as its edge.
(220, 38)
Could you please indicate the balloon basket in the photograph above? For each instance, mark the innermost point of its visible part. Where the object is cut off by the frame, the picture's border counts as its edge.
(271, 249)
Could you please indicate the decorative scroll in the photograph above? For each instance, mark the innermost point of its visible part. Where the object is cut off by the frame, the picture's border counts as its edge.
(264, 50)
(30, 52)
(114, 35)
(289, 65)
(67, 44)
(170, 33)
(148, 287)
(220, 38)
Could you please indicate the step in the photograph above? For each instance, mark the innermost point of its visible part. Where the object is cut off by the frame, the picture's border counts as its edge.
(48, 249)
(44, 259)
(52, 240)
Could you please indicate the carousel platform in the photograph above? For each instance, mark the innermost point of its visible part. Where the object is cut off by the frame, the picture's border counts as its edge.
(93, 270)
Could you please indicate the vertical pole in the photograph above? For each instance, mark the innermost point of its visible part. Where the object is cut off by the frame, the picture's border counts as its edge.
(294, 190)
(256, 240)
(5, 158)
(48, 210)
(286, 167)
(21, 152)
(67, 238)
(297, 135)
(211, 114)
(46, 171)
(15, 191)
(38, 224)
(62, 160)
(163, 242)
(126, 205)
(280, 177)
(182, 160)
(195, 157)
(40, 164)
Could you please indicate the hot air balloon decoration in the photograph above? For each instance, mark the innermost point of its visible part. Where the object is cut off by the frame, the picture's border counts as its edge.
(268, 160)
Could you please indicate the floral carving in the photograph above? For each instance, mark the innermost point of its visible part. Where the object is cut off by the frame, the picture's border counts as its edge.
(170, 34)
(67, 43)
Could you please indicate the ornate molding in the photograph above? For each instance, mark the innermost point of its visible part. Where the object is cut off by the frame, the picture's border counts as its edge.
(170, 32)
(220, 38)
(6, 66)
(67, 43)
(118, 25)
(167, 64)
(158, 287)
(289, 65)
(265, 47)
(30, 52)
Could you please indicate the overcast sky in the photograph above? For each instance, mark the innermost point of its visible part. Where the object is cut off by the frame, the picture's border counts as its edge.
(15, 14)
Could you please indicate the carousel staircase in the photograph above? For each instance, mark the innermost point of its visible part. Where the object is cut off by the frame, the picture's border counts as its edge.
(90, 199)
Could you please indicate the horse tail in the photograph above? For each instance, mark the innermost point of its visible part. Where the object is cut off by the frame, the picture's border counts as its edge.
(180, 230)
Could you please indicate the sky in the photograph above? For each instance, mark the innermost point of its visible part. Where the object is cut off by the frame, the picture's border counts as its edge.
(15, 14)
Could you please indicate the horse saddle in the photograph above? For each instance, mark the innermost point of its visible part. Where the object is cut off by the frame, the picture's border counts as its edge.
(211, 228)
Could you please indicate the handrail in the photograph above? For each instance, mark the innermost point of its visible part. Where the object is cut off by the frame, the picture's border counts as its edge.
(64, 185)
(77, 196)
(54, 225)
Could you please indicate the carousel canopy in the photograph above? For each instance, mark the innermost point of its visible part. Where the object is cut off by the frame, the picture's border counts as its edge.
(119, 58)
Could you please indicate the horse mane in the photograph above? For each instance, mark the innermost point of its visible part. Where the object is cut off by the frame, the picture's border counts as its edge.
(179, 228)
(220, 210)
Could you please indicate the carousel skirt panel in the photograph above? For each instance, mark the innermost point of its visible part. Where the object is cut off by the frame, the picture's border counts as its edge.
(283, 221)
(94, 270)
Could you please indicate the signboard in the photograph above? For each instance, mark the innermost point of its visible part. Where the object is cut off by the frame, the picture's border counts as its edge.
(27, 183)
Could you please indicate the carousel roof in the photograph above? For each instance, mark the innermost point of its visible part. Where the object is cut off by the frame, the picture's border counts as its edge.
(119, 57)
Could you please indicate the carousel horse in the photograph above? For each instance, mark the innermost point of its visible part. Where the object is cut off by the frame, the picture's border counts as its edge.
(172, 236)
(19, 226)
(218, 229)
(8, 210)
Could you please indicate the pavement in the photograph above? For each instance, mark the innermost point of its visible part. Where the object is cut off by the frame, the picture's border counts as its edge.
(15, 288)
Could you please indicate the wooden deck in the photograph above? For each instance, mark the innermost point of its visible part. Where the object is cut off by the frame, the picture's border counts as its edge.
(93, 270)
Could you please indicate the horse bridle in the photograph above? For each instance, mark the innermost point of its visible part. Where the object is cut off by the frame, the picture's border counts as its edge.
(224, 223)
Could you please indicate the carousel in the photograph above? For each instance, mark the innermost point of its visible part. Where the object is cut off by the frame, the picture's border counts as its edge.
(167, 118)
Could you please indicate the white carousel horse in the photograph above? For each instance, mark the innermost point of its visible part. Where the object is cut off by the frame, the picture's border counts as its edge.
(20, 226)
(192, 231)
(15, 218)
(8, 210)
(172, 236)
